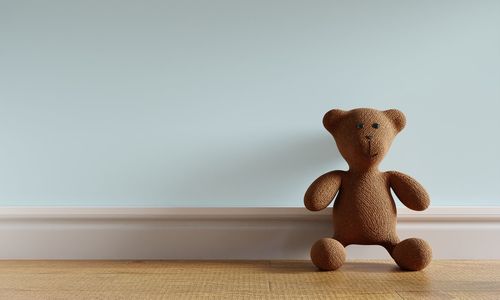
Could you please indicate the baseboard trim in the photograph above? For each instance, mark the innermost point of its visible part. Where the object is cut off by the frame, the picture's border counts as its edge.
(225, 233)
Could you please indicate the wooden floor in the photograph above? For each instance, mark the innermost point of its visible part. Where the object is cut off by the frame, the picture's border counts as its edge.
(245, 279)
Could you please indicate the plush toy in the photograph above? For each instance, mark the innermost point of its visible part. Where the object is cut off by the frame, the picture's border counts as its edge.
(364, 211)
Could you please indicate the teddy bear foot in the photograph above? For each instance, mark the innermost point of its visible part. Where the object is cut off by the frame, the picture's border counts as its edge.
(412, 254)
(328, 254)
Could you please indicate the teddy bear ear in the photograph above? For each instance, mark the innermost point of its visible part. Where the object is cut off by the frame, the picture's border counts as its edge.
(397, 117)
(332, 118)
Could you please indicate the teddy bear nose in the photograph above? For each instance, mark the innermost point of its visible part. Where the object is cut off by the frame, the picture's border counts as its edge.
(369, 137)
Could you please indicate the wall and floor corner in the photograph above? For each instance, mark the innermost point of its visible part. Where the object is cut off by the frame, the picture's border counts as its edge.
(111, 116)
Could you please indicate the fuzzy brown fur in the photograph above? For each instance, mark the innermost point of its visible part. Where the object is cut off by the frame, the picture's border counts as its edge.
(364, 211)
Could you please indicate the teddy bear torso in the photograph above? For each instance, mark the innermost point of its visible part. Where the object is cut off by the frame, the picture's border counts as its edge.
(364, 211)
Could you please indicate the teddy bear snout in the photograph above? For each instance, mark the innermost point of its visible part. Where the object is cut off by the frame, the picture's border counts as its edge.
(368, 137)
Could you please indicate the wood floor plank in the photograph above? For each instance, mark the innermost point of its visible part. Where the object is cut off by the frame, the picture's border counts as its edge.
(245, 280)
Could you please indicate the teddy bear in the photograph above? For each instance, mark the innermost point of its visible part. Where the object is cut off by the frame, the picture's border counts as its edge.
(364, 211)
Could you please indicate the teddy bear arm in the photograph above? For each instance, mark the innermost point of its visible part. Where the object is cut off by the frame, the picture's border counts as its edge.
(322, 191)
(411, 193)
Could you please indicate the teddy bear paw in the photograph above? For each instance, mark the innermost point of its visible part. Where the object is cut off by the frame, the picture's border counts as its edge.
(328, 254)
(412, 254)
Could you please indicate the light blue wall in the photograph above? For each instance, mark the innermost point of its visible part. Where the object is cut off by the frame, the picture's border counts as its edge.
(219, 103)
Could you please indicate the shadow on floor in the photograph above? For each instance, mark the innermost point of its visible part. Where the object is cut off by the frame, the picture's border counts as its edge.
(290, 267)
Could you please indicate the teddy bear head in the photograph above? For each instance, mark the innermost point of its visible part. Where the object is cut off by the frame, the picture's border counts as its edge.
(364, 135)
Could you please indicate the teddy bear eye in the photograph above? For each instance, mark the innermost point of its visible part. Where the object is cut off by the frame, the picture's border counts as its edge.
(359, 125)
(375, 125)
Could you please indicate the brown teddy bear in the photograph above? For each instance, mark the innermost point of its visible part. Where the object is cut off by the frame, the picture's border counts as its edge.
(364, 211)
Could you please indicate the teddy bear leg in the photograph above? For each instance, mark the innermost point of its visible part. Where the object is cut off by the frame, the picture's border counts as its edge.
(328, 254)
(412, 254)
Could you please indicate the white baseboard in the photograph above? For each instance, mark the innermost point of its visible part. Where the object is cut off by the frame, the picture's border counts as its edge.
(226, 233)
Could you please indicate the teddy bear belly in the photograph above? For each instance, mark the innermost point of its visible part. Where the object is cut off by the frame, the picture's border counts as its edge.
(373, 223)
